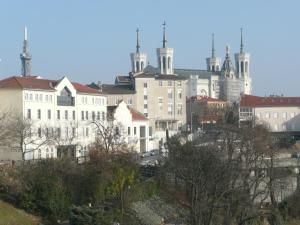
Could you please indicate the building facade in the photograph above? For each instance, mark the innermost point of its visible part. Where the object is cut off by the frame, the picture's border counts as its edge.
(133, 127)
(280, 114)
(59, 110)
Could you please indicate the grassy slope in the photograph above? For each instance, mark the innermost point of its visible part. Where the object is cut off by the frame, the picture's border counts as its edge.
(12, 216)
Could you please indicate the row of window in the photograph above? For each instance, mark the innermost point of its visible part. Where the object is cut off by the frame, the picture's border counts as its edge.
(57, 132)
(38, 97)
(170, 109)
(134, 131)
(161, 83)
(68, 115)
(275, 115)
(92, 100)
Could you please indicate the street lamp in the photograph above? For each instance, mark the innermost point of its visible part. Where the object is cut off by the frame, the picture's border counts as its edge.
(192, 122)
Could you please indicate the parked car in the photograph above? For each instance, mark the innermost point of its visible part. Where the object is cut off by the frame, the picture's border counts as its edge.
(154, 152)
(145, 154)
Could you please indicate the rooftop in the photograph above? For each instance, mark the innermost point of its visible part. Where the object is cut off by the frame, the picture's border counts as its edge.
(36, 82)
(271, 101)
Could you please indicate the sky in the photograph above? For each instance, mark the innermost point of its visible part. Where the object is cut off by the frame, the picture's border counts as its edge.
(90, 40)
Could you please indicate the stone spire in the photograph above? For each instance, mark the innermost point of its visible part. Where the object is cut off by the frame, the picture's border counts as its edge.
(25, 56)
(164, 35)
(137, 41)
(242, 45)
(213, 46)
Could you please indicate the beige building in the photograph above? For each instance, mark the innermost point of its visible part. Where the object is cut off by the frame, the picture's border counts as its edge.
(158, 93)
(280, 114)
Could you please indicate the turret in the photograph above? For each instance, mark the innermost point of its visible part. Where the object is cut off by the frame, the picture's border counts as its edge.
(138, 59)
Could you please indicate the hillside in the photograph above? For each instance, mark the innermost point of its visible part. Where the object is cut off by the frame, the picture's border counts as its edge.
(12, 216)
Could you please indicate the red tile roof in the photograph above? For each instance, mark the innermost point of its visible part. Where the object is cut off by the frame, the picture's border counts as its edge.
(35, 82)
(271, 101)
(137, 115)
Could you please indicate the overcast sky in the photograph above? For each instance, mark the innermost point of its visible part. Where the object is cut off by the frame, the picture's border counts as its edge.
(90, 40)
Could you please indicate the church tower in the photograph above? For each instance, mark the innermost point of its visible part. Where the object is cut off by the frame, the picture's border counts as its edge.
(213, 63)
(138, 59)
(165, 55)
(242, 62)
(25, 57)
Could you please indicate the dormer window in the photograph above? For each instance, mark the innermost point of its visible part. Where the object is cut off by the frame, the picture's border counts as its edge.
(65, 98)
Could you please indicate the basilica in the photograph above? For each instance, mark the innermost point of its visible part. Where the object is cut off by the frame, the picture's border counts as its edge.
(226, 81)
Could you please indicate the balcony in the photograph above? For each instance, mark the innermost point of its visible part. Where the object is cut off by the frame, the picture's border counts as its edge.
(65, 101)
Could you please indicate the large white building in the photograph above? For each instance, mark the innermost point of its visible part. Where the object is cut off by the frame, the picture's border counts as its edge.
(59, 108)
(280, 114)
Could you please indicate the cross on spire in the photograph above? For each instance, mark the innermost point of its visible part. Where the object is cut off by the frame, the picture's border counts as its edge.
(242, 44)
(164, 35)
(137, 41)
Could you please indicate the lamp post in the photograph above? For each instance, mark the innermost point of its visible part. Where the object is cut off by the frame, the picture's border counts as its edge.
(192, 122)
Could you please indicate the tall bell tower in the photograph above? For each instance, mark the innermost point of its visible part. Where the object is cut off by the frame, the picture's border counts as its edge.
(138, 59)
(25, 57)
(213, 63)
(165, 55)
(242, 62)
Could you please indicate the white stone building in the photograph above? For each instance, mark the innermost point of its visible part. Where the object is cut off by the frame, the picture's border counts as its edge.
(132, 125)
(61, 107)
(280, 114)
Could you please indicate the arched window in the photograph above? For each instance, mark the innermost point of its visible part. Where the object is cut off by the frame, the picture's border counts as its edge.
(242, 67)
(169, 62)
(137, 66)
(246, 67)
(164, 62)
(65, 92)
(142, 65)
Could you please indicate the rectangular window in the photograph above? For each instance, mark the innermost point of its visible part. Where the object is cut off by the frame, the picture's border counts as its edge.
(103, 115)
(267, 115)
(170, 93)
(128, 131)
(66, 132)
(170, 109)
(146, 114)
(86, 115)
(36, 97)
(49, 114)
(145, 97)
(284, 115)
(93, 116)
(46, 98)
(50, 98)
(82, 115)
(58, 114)
(41, 97)
(275, 115)
(145, 85)
(150, 131)
(28, 113)
(160, 103)
(47, 132)
(66, 115)
(179, 109)
(87, 131)
(145, 106)
(74, 115)
(179, 94)
(73, 131)
(30, 96)
(58, 131)
(40, 132)
(169, 83)
(98, 115)
(134, 130)
(39, 114)
(292, 115)
(26, 96)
